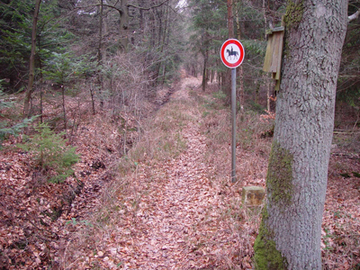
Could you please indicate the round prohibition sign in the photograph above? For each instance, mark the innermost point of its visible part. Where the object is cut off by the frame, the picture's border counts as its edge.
(232, 53)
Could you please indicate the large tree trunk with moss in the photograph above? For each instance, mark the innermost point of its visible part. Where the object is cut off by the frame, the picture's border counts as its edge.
(290, 232)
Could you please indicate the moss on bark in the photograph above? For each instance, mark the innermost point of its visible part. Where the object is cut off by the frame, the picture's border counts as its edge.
(294, 14)
(292, 18)
(267, 257)
(279, 177)
(280, 190)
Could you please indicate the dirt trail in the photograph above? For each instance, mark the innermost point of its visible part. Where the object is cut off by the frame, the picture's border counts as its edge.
(178, 211)
(185, 209)
(163, 206)
(177, 222)
(179, 219)
(171, 213)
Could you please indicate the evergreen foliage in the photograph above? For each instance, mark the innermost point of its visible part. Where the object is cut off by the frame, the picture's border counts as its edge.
(62, 68)
(15, 32)
(51, 153)
(15, 42)
(7, 129)
(208, 30)
(15, 130)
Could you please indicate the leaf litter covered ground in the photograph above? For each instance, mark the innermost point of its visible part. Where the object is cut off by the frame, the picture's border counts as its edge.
(171, 212)
(167, 204)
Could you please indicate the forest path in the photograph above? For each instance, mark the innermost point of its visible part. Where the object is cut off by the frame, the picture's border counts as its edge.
(172, 212)
(179, 220)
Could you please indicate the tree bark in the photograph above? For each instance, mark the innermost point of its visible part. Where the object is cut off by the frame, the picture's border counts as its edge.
(266, 76)
(204, 73)
(29, 89)
(290, 232)
(240, 91)
(230, 18)
(63, 105)
(100, 56)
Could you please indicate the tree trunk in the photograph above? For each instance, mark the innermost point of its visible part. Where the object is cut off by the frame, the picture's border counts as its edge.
(204, 73)
(124, 25)
(290, 232)
(240, 92)
(29, 89)
(266, 76)
(99, 56)
(230, 22)
(41, 105)
(230, 18)
(63, 105)
(92, 99)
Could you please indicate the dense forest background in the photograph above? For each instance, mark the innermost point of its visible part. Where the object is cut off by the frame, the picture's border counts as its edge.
(83, 85)
(123, 50)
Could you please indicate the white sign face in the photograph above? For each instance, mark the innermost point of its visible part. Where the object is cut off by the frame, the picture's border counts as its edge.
(232, 53)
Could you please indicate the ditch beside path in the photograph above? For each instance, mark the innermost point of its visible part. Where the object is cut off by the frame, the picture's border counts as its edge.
(175, 213)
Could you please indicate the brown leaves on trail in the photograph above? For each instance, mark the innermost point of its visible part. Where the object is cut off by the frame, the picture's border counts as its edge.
(179, 224)
(172, 214)
(146, 210)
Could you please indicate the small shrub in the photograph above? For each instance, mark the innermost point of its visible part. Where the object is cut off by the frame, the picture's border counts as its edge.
(5, 128)
(220, 95)
(217, 102)
(51, 153)
(3, 102)
(14, 130)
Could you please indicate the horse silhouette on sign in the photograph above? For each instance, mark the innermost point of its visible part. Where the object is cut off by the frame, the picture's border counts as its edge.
(232, 53)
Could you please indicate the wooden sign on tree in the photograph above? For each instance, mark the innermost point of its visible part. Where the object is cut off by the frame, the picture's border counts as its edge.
(273, 54)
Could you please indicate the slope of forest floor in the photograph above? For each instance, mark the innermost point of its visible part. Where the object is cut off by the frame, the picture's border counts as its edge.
(162, 198)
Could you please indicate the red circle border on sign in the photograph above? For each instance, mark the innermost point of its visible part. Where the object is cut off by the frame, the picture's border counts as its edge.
(241, 57)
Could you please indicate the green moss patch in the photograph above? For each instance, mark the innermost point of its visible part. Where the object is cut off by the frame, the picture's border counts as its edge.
(267, 257)
(279, 177)
(294, 14)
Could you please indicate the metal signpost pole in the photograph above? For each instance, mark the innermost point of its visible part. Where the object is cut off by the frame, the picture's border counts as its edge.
(232, 54)
(233, 115)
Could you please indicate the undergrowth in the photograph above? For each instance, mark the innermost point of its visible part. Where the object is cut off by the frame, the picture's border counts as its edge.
(217, 128)
(162, 138)
(51, 154)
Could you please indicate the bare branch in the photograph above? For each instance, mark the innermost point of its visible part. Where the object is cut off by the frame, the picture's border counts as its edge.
(143, 8)
(354, 16)
(105, 5)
